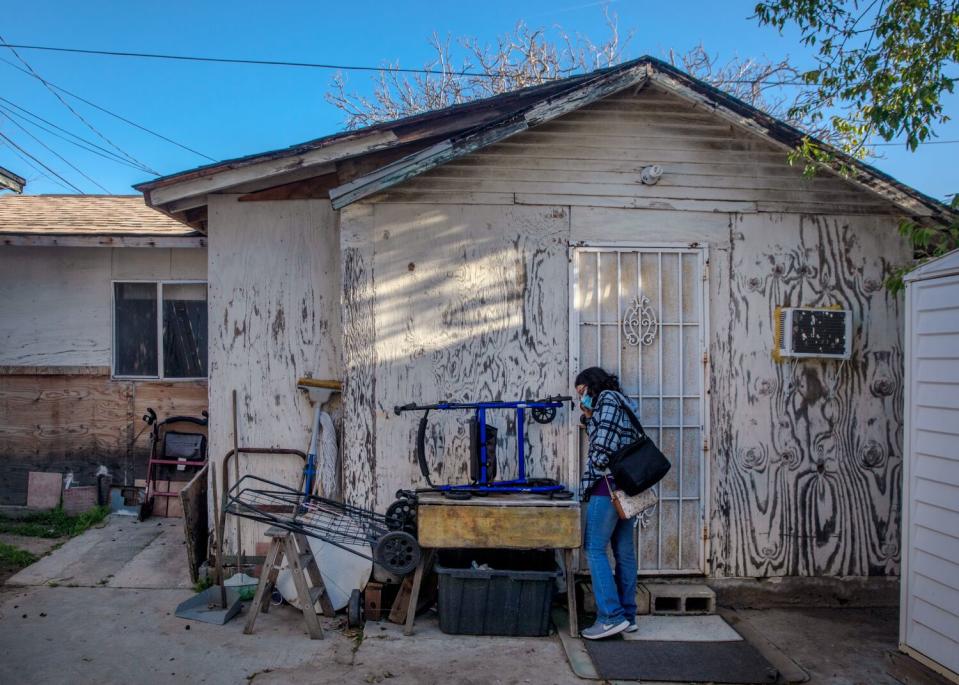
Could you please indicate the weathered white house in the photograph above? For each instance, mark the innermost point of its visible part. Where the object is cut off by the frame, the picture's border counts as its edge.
(93, 290)
(929, 611)
(493, 249)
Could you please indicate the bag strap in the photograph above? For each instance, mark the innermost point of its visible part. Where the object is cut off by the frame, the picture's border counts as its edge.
(632, 416)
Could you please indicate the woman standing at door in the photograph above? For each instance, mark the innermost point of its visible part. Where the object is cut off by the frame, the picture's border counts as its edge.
(608, 428)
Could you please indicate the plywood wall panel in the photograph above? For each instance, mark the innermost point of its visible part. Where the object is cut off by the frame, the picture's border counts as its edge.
(360, 486)
(807, 455)
(78, 423)
(469, 304)
(274, 316)
(55, 306)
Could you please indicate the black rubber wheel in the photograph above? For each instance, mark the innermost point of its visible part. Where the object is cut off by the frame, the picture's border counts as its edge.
(543, 414)
(354, 610)
(458, 495)
(406, 494)
(398, 552)
(401, 515)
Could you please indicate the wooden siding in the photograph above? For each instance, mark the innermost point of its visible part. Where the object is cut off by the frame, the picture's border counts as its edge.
(55, 302)
(594, 156)
(801, 483)
(55, 306)
(454, 289)
(274, 317)
(78, 423)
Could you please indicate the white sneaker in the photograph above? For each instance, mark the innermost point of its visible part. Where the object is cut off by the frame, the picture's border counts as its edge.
(598, 630)
(632, 627)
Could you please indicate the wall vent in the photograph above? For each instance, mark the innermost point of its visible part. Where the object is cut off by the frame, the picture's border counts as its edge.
(810, 332)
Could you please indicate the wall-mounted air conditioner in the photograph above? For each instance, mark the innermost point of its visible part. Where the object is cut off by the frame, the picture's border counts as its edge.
(811, 332)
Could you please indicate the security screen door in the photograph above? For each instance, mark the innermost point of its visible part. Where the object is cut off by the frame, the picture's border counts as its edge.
(639, 312)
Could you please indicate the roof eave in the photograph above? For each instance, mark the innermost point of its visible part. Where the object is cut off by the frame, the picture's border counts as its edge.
(578, 95)
(11, 181)
(52, 239)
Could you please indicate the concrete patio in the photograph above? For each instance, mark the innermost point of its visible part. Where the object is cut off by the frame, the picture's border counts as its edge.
(100, 609)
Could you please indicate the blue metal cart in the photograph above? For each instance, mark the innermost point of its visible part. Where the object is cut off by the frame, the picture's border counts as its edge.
(483, 465)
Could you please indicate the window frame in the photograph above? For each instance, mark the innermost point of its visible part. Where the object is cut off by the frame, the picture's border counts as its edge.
(159, 282)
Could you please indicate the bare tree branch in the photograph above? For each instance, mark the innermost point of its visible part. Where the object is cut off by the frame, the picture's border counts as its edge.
(527, 56)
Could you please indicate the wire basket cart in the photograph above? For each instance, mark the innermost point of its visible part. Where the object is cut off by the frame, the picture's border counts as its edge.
(351, 528)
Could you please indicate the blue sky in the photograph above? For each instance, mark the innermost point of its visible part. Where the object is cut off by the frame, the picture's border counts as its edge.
(227, 111)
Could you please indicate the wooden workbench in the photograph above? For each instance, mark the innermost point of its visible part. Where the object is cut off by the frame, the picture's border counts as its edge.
(501, 521)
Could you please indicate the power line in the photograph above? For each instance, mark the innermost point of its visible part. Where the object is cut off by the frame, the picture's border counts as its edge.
(113, 114)
(925, 142)
(37, 169)
(66, 104)
(232, 60)
(10, 142)
(308, 65)
(83, 144)
(56, 154)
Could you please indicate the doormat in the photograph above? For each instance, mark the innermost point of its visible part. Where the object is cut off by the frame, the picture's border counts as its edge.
(687, 662)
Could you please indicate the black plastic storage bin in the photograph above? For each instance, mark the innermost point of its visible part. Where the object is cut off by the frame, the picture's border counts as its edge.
(510, 597)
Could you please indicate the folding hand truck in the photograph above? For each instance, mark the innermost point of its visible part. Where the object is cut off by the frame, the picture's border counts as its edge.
(171, 451)
(353, 529)
(483, 449)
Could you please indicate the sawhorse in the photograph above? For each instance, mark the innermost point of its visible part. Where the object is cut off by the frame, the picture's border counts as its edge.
(302, 563)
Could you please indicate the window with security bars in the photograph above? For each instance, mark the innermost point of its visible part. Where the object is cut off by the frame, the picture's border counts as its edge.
(160, 329)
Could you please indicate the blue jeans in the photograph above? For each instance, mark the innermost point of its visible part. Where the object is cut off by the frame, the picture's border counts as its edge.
(615, 597)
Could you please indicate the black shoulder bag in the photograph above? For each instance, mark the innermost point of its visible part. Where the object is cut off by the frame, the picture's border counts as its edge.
(640, 465)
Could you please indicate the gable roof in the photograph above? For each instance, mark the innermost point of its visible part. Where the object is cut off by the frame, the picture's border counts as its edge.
(90, 220)
(427, 140)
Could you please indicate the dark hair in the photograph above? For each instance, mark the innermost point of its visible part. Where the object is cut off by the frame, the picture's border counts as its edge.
(596, 380)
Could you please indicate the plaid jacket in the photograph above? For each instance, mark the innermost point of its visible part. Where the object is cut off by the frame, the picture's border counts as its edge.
(608, 429)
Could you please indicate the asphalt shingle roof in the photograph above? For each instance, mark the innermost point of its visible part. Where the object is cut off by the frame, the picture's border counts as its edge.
(85, 215)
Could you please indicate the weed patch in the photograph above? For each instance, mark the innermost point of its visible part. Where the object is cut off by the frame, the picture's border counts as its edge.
(15, 559)
(54, 524)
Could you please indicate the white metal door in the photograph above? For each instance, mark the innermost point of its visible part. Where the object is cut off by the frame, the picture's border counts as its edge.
(639, 312)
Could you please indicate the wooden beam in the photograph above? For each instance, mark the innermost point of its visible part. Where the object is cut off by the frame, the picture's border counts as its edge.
(54, 370)
(317, 187)
(99, 240)
(219, 180)
(11, 181)
(506, 527)
(185, 204)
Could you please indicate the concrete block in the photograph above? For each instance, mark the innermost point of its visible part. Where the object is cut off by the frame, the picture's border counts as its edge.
(43, 490)
(680, 598)
(642, 600)
(79, 499)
